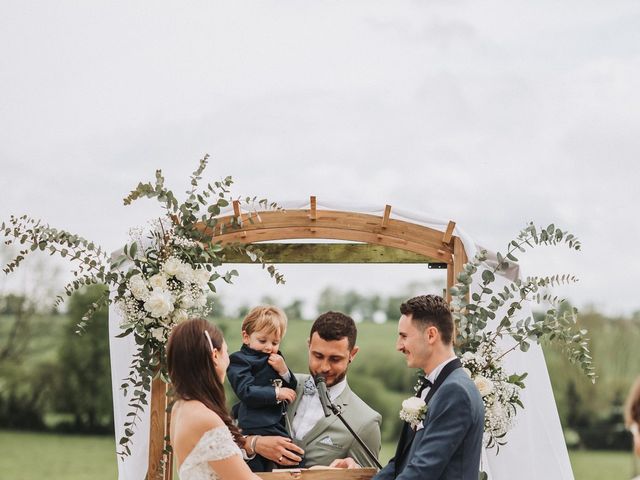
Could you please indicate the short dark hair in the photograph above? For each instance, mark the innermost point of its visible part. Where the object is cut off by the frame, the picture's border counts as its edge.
(427, 310)
(335, 326)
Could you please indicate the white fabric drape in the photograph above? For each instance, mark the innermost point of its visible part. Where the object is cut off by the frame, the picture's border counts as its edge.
(134, 466)
(535, 448)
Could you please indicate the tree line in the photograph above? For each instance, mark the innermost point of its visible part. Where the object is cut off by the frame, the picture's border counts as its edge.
(53, 379)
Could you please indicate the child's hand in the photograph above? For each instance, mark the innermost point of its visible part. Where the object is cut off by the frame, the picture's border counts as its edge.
(286, 394)
(277, 362)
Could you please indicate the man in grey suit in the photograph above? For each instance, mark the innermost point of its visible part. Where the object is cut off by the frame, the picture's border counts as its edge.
(446, 443)
(332, 347)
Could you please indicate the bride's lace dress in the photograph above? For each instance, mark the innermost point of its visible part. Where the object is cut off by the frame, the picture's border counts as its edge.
(215, 444)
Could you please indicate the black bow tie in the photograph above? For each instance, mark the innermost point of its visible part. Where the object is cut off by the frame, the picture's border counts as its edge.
(426, 383)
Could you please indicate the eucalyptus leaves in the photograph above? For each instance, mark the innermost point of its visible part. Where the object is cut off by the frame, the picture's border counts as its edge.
(161, 277)
(485, 313)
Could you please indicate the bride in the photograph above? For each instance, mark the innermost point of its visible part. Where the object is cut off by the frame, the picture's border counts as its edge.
(205, 442)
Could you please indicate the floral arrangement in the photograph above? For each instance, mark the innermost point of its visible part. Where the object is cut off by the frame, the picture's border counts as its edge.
(485, 314)
(500, 392)
(413, 411)
(162, 276)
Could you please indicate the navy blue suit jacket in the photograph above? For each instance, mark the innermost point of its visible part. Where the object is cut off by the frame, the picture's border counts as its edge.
(450, 444)
(251, 378)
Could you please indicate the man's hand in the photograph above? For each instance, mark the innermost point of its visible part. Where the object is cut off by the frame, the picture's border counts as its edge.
(277, 362)
(344, 463)
(281, 450)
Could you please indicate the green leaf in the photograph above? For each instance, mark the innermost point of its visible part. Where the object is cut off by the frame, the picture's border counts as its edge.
(488, 276)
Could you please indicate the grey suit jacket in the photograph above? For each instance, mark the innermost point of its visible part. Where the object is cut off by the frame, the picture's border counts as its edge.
(363, 419)
(449, 445)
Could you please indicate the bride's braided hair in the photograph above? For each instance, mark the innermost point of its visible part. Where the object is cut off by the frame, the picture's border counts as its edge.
(192, 372)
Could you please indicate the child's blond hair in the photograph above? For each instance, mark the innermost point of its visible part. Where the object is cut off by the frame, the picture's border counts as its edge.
(266, 318)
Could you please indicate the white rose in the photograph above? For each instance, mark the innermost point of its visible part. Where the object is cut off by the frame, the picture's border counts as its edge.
(413, 405)
(467, 357)
(484, 385)
(185, 273)
(158, 334)
(202, 276)
(159, 304)
(186, 301)
(201, 301)
(159, 280)
(180, 316)
(138, 287)
(172, 266)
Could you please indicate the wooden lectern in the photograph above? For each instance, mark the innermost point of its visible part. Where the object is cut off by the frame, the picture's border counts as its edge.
(319, 474)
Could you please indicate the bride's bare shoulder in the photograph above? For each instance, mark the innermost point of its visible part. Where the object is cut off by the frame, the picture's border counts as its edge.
(194, 416)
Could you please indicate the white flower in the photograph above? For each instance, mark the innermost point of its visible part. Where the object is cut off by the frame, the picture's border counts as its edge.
(201, 301)
(468, 357)
(158, 334)
(185, 273)
(159, 304)
(485, 386)
(186, 301)
(172, 266)
(202, 276)
(159, 280)
(138, 287)
(413, 411)
(180, 315)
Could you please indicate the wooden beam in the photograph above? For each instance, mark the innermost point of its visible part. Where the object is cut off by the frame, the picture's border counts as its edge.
(319, 474)
(385, 218)
(296, 253)
(291, 233)
(157, 425)
(446, 238)
(290, 220)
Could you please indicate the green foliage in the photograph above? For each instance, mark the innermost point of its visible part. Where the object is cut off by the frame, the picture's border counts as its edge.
(185, 232)
(83, 387)
(556, 325)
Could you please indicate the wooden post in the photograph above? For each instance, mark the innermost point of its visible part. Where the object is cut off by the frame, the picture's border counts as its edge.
(446, 238)
(459, 260)
(157, 426)
(313, 214)
(385, 218)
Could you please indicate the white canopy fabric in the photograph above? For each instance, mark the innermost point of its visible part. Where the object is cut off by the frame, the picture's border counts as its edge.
(535, 449)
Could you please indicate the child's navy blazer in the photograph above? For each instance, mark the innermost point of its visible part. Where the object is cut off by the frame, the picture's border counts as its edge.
(252, 379)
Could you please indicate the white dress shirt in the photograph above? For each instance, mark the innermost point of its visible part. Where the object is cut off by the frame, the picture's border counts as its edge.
(309, 411)
(434, 375)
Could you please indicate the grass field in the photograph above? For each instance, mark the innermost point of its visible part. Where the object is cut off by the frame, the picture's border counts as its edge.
(31, 456)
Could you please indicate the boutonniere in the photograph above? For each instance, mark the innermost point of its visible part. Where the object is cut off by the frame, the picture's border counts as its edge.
(413, 411)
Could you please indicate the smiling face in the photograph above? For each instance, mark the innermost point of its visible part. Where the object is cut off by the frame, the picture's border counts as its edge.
(330, 358)
(416, 344)
(262, 341)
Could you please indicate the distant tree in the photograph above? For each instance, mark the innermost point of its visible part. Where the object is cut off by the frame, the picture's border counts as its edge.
(218, 310)
(294, 309)
(84, 381)
(330, 299)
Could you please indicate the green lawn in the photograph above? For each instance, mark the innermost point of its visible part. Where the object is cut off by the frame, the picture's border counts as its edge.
(34, 456)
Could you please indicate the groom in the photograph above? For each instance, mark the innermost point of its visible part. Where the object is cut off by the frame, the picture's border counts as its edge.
(446, 443)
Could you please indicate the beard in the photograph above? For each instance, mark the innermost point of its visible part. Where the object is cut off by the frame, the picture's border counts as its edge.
(333, 381)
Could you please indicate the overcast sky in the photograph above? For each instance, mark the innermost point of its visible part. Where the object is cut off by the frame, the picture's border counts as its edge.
(488, 113)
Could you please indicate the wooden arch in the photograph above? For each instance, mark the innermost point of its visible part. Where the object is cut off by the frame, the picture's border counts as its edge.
(380, 239)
